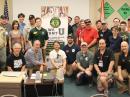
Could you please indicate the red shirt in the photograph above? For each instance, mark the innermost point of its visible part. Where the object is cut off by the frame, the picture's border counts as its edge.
(89, 35)
(79, 31)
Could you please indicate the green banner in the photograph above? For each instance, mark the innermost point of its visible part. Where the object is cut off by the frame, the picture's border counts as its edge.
(124, 11)
(108, 10)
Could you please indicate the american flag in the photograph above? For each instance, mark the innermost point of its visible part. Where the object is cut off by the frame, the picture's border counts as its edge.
(6, 14)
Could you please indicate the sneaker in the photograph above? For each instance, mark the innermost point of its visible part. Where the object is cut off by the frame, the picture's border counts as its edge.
(106, 93)
(79, 82)
(90, 85)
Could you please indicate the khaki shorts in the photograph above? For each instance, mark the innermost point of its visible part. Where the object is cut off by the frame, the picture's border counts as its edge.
(69, 70)
(109, 78)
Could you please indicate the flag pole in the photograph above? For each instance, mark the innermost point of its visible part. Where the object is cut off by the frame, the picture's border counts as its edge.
(6, 14)
(102, 13)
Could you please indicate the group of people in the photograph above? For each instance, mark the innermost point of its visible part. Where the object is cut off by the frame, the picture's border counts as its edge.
(91, 52)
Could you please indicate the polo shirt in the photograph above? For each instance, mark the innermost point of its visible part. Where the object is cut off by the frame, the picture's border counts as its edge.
(124, 62)
(84, 59)
(36, 34)
(88, 35)
(71, 52)
(106, 58)
(115, 43)
(105, 35)
(124, 36)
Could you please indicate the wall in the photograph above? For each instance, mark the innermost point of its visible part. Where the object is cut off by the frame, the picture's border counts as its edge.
(76, 7)
(83, 8)
(116, 4)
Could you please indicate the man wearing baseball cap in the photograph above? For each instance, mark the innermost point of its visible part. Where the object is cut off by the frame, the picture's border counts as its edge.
(71, 50)
(84, 60)
(90, 35)
(5, 23)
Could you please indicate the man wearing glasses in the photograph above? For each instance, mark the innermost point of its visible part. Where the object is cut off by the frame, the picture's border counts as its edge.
(16, 61)
(57, 58)
(84, 64)
(90, 35)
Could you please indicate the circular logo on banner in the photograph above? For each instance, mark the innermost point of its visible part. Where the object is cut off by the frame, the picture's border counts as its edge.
(55, 22)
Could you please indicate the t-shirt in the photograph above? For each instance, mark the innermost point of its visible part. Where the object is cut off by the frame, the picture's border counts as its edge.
(16, 63)
(124, 61)
(105, 35)
(89, 35)
(40, 35)
(71, 52)
(21, 26)
(57, 56)
(115, 43)
(84, 59)
(106, 58)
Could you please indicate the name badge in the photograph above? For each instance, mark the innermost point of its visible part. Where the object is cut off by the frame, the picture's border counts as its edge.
(73, 50)
(100, 64)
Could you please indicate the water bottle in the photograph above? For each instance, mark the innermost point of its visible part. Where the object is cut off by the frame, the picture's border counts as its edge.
(38, 75)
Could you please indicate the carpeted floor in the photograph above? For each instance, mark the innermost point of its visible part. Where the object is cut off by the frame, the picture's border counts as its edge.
(71, 90)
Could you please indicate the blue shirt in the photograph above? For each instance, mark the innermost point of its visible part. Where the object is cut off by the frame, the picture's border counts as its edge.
(21, 26)
(71, 52)
(115, 43)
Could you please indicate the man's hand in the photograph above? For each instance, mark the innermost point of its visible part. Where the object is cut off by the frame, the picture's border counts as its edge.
(41, 68)
(105, 74)
(79, 74)
(10, 69)
(121, 78)
(44, 47)
(88, 72)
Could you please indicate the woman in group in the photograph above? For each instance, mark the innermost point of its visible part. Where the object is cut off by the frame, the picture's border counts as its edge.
(15, 36)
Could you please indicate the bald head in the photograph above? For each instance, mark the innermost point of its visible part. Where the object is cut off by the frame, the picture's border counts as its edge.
(102, 44)
(124, 47)
(36, 44)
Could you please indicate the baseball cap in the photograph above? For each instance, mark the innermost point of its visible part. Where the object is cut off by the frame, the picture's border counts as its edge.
(31, 17)
(3, 17)
(84, 44)
(104, 22)
(70, 36)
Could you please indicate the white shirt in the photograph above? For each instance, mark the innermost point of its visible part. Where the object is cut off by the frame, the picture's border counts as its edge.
(58, 57)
